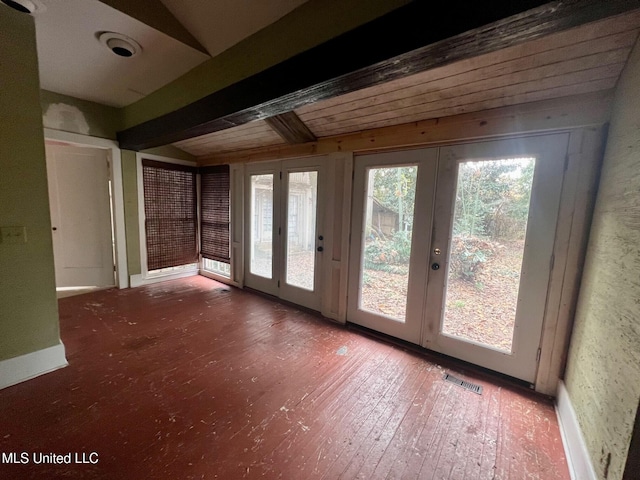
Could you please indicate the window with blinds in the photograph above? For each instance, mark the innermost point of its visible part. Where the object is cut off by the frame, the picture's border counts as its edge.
(215, 213)
(170, 208)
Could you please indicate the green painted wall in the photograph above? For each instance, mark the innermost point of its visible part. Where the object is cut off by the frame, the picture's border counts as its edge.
(603, 370)
(307, 26)
(171, 152)
(28, 306)
(69, 114)
(132, 229)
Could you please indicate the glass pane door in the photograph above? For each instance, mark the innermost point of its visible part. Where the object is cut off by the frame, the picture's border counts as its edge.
(283, 218)
(392, 205)
(386, 244)
(261, 231)
(491, 209)
(302, 193)
(496, 211)
(302, 239)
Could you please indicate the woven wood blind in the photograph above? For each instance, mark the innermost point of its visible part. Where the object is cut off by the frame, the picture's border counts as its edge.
(214, 213)
(170, 210)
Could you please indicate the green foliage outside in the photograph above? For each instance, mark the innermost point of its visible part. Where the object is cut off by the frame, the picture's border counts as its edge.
(492, 205)
(394, 189)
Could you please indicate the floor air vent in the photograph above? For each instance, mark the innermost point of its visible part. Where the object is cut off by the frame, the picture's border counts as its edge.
(461, 383)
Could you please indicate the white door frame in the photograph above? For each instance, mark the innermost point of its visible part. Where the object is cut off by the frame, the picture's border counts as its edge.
(117, 194)
(426, 161)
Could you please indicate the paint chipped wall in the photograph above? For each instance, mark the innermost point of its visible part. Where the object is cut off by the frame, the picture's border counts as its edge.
(28, 306)
(69, 114)
(603, 370)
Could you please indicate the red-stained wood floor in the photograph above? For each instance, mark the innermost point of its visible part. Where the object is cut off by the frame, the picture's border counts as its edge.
(190, 379)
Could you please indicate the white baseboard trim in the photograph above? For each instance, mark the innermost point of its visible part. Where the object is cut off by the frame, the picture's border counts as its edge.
(580, 466)
(31, 365)
(139, 280)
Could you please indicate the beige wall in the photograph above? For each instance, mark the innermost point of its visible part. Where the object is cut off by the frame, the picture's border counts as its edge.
(603, 371)
(28, 306)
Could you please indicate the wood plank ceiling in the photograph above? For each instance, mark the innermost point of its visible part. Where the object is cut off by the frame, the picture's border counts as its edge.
(582, 60)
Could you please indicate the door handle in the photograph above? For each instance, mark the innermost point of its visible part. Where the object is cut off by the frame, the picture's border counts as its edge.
(435, 266)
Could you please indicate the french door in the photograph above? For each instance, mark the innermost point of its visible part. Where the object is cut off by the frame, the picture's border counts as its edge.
(480, 222)
(284, 241)
(390, 238)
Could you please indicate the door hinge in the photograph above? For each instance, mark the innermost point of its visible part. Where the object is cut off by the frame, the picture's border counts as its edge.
(280, 175)
(538, 354)
(278, 283)
(552, 261)
(279, 230)
(566, 162)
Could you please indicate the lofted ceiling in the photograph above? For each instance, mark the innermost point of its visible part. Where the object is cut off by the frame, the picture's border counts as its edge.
(581, 60)
(220, 24)
(73, 62)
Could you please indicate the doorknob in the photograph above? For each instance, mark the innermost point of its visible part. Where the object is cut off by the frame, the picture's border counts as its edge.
(435, 266)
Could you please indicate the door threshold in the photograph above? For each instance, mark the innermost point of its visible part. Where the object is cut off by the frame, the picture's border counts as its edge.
(449, 362)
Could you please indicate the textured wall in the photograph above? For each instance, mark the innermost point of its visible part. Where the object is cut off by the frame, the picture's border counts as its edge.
(603, 371)
(28, 306)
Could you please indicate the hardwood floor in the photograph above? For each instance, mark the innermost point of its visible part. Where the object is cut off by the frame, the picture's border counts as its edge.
(190, 379)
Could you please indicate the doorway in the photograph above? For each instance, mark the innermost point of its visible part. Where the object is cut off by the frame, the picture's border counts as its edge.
(284, 244)
(452, 247)
(80, 198)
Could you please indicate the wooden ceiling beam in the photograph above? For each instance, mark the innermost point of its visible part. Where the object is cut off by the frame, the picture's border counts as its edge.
(587, 110)
(411, 39)
(289, 126)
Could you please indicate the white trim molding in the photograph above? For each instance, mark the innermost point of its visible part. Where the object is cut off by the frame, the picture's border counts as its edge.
(25, 367)
(578, 460)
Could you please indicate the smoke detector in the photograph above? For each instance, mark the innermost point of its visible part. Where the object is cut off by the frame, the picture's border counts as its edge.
(25, 6)
(119, 44)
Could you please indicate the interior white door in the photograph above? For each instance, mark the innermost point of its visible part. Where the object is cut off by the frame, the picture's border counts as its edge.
(495, 218)
(390, 238)
(80, 205)
(284, 215)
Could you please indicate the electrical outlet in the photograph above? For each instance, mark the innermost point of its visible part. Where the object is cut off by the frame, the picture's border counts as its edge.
(13, 235)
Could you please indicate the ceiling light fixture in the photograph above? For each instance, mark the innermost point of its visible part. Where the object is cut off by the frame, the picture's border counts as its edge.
(25, 6)
(119, 44)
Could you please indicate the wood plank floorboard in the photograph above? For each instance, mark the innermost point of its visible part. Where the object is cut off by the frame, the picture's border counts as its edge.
(190, 379)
